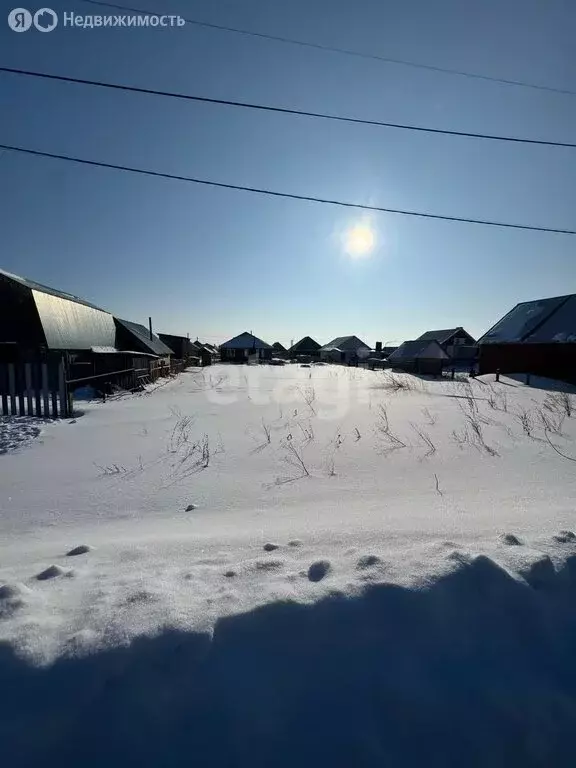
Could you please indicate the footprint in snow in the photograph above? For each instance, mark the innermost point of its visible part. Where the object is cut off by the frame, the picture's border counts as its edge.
(564, 537)
(319, 570)
(82, 549)
(510, 540)
(52, 572)
(295, 543)
(367, 561)
(270, 547)
(269, 565)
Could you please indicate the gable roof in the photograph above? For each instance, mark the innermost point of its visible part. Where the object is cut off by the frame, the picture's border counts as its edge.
(245, 341)
(544, 320)
(419, 348)
(345, 343)
(443, 335)
(278, 347)
(307, 343)
(142, 334)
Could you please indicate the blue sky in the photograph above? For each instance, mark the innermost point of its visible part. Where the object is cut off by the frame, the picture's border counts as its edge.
(213, 262)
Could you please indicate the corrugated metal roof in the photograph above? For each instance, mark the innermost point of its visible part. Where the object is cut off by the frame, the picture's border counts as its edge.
(345, 343)
(154, 344)
(245, 341)
(69, 324)
(543, 320)
(419, 348)
(45, 289)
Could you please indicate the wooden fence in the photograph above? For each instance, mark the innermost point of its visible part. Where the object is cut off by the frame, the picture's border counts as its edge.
(35, 389)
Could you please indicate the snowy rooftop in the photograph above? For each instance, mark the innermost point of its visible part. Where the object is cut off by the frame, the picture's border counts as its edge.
(544, 320)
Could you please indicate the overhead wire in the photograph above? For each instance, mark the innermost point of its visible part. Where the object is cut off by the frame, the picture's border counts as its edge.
(283, 110)
(345, 51)
(281, 194)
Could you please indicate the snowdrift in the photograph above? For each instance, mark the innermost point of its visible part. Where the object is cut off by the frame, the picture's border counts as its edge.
(478, 669)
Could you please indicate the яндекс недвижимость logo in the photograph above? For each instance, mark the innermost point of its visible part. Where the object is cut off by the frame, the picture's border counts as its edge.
(21, 19)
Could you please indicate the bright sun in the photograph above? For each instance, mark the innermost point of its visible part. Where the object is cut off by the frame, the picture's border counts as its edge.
(359, 240)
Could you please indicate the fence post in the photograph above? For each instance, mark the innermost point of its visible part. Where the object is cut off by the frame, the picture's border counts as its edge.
(12, 388)
(45, 395)
(528, 379)
(453, 373)
(62, 390)
(497, 374)
(28, 380)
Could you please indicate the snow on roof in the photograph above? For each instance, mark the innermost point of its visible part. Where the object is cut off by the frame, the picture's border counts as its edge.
(419, 348)
(345, 343)
(245, 341)
(543, 320)
(154, 344)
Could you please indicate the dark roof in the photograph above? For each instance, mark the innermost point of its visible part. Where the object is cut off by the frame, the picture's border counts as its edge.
(543, 320)
(245, 341)
(142, 334)
(411, 350)
(278, 347)
(442, 335)
(58, 321)
(45, 289)
(345, 343)
(305, 344)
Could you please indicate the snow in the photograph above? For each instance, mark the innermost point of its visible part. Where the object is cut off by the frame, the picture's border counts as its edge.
(292, 566)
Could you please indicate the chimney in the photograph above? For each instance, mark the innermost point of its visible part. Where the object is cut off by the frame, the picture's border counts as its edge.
(378, 347)
(150, 327)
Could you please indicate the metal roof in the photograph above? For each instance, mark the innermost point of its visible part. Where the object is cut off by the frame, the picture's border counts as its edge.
(345, 343)
(154, 344)
(544, 320)
(245, 341)
(419, 348)
(45, 289)
(72, 325)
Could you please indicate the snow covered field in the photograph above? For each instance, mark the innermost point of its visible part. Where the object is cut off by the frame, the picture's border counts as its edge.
(292, 566)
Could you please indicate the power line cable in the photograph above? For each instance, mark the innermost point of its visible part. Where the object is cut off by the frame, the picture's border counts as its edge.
(289, 195)
(346, 51)
(284, 110)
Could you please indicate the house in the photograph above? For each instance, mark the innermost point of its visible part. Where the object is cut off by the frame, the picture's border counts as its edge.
(47, 335)
(205, 353)
(36, 320)
(537, 337)
(345, 349)
(180, 345)
(245, 348)
(306, 347)
(424, 356)
(278, 348)
(456, 342)
(134, 336)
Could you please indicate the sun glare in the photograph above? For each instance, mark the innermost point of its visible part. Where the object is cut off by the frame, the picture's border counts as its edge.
(359, 240)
